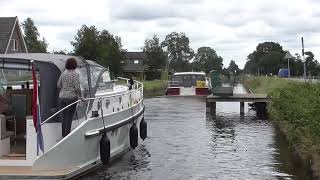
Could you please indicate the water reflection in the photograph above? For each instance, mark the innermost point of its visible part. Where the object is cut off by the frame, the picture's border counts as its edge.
(185, 142)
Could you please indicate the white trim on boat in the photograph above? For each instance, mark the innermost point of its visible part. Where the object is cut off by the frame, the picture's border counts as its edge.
(102, 130)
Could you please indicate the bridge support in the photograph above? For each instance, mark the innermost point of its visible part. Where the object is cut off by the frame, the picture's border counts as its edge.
(261, 110)
(259, 100)
(213, 108)
(241, 108)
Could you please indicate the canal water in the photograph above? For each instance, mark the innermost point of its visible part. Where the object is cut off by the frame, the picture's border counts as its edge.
(185, 142)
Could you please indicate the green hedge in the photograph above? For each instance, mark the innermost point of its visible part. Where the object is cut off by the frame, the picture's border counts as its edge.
(154, 88)
(298, 106)
(295, 108)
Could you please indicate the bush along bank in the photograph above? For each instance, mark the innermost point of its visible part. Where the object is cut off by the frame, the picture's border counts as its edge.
(154, 88)
(295, 108)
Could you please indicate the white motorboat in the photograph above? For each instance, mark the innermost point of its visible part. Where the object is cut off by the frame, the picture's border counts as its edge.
(188, 84)
(106, 123)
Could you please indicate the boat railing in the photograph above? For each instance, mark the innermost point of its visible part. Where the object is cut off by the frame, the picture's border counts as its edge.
(137, 87)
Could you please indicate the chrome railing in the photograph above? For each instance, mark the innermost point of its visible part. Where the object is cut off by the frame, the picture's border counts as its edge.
(137, 87)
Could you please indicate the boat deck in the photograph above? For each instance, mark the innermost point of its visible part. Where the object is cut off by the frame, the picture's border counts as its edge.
(19, 172)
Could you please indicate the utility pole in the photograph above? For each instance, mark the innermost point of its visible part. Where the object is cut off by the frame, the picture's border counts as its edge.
(304, 61)
(288, 68)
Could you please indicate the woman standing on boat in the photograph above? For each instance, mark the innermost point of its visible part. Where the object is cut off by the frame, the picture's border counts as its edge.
(70, 91)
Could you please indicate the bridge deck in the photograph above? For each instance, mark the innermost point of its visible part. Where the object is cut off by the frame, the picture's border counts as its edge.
(239, 98)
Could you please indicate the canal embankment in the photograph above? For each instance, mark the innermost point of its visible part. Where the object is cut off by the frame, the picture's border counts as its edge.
(295, 109)
(154, 88)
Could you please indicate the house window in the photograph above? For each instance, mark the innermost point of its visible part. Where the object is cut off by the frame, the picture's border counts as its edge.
(14, 43)
(136, 61)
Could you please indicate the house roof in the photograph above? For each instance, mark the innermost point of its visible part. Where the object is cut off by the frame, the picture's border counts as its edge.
(130, 66)
(7, 25)
(135, 55)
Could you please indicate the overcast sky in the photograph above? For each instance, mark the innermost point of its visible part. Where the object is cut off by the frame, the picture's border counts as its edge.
(232, 27)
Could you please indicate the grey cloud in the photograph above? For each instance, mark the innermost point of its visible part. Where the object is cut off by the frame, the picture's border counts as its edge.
(66, 35)
(145, 13)
(32, 11)
(170, 22)
(54, 22)
(5, 2)
(187, 1)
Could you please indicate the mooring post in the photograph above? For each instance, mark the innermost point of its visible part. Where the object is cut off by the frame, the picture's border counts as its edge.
(213, 108)
(241, 108)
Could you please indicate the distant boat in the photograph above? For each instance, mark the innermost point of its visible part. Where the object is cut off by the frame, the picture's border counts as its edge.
(188, 84)
(106, 123)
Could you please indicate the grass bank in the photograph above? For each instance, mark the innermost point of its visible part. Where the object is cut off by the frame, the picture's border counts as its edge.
(295, 108)
(264, 85)
(154, 88)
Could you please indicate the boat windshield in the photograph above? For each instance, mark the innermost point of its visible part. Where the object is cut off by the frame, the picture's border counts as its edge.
(95, 72)
(84, 82)
(105, 81)
(2, 83)
(188, 80)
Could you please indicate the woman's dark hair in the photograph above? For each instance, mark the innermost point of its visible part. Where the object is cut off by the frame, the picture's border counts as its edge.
(71, 63)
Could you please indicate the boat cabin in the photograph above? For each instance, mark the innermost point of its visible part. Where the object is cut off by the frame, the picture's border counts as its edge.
(16, 98)
(189, 84)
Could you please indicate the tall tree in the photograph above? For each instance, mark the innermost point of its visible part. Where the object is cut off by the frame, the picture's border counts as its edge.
(296, 66)
(258, 59)
(110, 52)
(312, 65)
(206, 60)
(233, 68)
(86, 42)
(156, 57)
(32, 37)
(179, 51)
(102, 47)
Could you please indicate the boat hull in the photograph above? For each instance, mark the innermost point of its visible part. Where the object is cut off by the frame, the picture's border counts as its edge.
(79, 152)
(187, 91)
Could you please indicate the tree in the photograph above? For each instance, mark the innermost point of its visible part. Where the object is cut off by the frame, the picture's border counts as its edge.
(156, 57)
(296, 66)
(98, 46)
(110, 52)
(312, 65)
(272, 62)
(258, 60)
(180, 54)
(86, 42)
(59, 52)
(31, 37)
(225, 72)
(206, 60)
(233, 68)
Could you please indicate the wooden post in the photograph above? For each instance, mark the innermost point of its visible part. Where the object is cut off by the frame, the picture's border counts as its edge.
(213, 108)
(241, 108)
